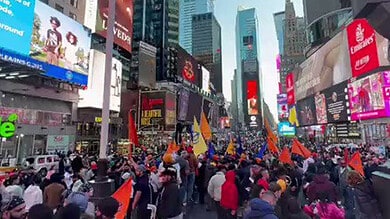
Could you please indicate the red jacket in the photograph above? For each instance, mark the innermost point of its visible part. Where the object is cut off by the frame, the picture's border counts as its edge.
(229, 192)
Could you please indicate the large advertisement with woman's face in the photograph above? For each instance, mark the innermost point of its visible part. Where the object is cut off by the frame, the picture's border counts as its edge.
(370, 97)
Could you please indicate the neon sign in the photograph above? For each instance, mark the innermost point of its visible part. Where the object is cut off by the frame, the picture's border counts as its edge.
(7, 128)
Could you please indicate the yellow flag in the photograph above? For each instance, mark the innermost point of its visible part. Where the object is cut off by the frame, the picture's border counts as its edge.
(230, 149)
(199, 143)
(205, 127)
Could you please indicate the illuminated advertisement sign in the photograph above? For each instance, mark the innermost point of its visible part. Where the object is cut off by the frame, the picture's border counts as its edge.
(96, 15)
(170, 111)
(205, 80)
(184, 96)
(370, 97)
(285, 129)
(44, 39)
(147, 65)
(188, 68)
(7, 127)
(290, 89)
(152, 110)
(282, 106)
(252, 98)
(306, 111)
(366, 47)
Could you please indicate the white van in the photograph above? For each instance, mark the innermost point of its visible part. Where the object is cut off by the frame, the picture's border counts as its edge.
(41, 163)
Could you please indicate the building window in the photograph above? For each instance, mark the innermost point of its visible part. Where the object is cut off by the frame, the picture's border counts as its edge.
(74, 3)
(59, 8)
(73, 16)
(45, 1)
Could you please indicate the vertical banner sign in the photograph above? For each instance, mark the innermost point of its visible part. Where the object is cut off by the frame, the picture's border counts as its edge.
(282, 106)
(362, 47)
(290, 89)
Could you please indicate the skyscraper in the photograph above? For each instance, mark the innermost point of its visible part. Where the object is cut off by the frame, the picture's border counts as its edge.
(156, 22)
(188, 8)
(206, 46)
(294, 43)
(279, 18)
(249, 83)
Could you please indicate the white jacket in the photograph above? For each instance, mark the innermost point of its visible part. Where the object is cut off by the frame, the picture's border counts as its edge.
(215, 186)
(32, 196)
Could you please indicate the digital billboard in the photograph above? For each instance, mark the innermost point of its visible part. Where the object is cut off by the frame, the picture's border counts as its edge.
(170, 108)
(93, 95)
(147, 65)
(282, 106)
(184, 96)
(367, 49)
(44, 39)
(331, 104)
(123, 29)
(306, 111)
(152, 110)
(290, 89)
(188, 68)
(194, 106)
(369, 97)
(285, 129)
(328, 66)
(252, 97)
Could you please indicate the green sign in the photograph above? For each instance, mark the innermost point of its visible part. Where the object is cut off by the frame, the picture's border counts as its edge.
(7, 128)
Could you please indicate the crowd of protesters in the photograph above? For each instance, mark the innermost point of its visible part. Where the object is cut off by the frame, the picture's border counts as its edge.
(166, 184)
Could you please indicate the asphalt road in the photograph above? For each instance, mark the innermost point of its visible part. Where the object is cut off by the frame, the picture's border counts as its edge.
(199, 212)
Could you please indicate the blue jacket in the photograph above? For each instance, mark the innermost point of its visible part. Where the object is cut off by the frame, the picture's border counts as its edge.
(260, 209)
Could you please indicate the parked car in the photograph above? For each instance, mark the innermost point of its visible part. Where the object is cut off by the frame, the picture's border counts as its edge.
(41, 163)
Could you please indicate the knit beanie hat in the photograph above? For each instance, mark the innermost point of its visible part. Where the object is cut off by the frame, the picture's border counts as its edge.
(79, 199)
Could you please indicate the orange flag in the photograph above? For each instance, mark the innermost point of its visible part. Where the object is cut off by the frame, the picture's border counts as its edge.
(270, 133)
(122, 195)
(205, 127)
(298, 148)
(285, 156)
(272, 147)
(356, 163)
(173, 147)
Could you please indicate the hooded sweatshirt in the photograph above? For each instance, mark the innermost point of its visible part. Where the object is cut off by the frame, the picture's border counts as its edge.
(260, 209)
(229, 192)
(321, 185)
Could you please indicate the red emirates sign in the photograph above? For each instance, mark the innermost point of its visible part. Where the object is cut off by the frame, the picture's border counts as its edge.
(362, 47)
(290, 89)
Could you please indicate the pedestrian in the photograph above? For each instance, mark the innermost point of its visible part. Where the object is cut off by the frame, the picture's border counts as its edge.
(193, 163)
(107, 208)
(13, 207)
(143, 192)
(322, 184)
(67, 212)
(294, 210)
(13, 186)
(40, 211)
(229, 195)
(366, 203)
(33, 194)
(52, 195)
(263, 208)
(215, 187)
(87, 189)
(168, 202)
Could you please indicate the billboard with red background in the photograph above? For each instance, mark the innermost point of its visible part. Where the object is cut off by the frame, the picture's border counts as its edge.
(123, 29)
(290, 89)
(370, 97)
(188, 68)
(252, 98)
(362, 46)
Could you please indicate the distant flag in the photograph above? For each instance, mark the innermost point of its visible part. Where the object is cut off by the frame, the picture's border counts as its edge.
(199, 143)
(211, 150)
(272, 147)
(299, 149)
(356, 163)
(122, 195)
(205, 127)
(270, 133)
(262, 151)
(240, 150)
(230, 149)
(285, 156)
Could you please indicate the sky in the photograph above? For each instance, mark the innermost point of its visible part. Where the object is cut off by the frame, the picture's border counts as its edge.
(226, 11)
